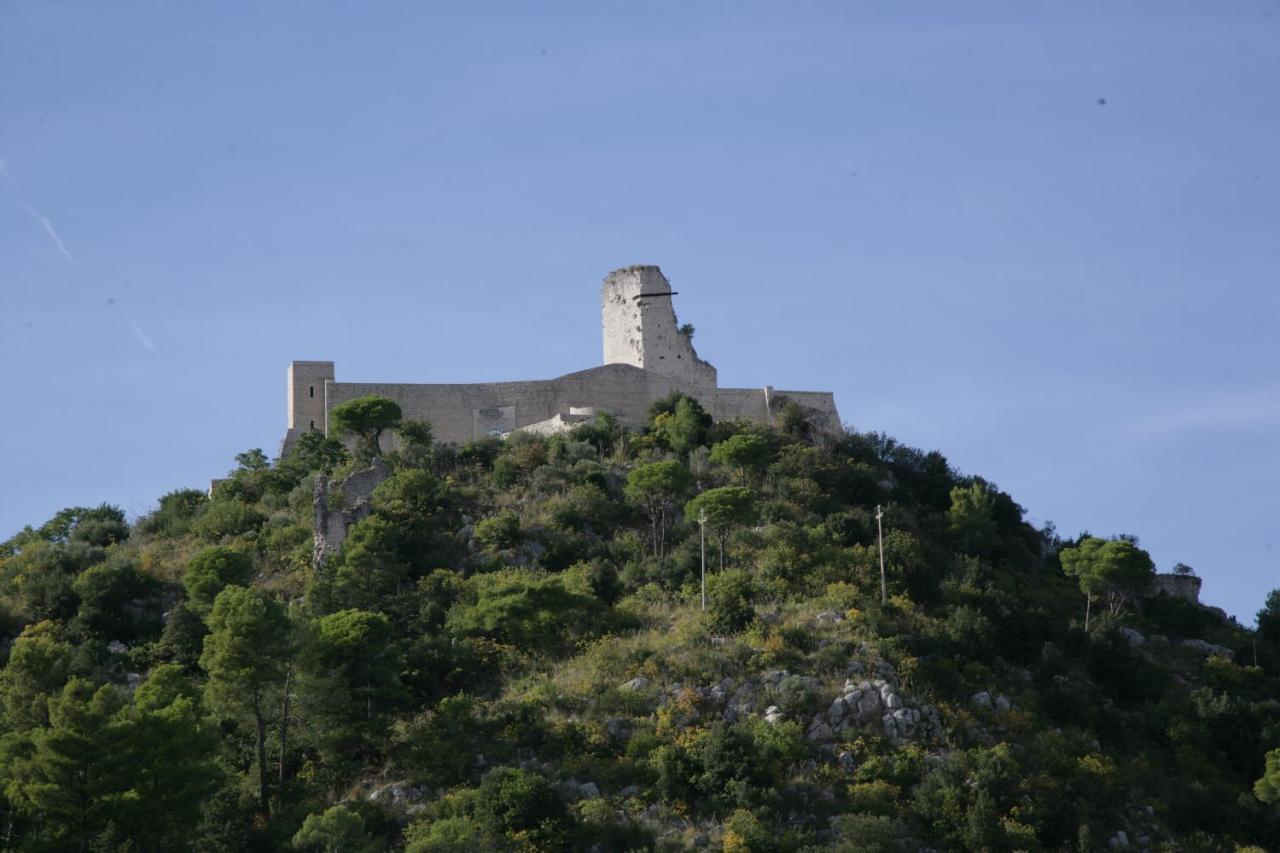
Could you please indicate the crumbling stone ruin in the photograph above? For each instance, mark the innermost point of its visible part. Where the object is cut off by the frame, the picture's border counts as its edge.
(647, 355)
(1186, 587)
(333, 521)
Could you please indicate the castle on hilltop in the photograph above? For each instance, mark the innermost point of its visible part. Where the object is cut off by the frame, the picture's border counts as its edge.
(646, 357)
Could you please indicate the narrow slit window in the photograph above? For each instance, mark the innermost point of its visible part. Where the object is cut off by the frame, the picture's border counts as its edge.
(313, 426)
(311, 391)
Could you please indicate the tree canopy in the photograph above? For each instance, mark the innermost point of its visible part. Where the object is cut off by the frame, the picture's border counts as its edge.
(366, 418)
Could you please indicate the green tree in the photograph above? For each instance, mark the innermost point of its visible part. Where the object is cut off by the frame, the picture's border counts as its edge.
(524, 807)
(749, 453)
(337, 830)
(314, 451)
(245, 655)
(1269, 618)
(38, 666)
(171, 748)
(655, 487)
(366, 418)
(104, 592)
(227, 517)
(732, 596)
(1116, 568)
(722, 509)
(212, 570)
(350, 672)
(533, 613)
(684, 426)
(417, 441)
(175, 513)
(74, 779)
(1267, 788)
(971, 519)
(183, 637)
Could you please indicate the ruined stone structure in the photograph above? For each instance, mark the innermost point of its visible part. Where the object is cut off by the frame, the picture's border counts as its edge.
(332, 517)
(1186, 587)
(646, 357)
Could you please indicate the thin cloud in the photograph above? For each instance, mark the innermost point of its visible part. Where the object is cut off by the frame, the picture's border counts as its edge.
(141, 335)
(1226, 411)
(44, 221)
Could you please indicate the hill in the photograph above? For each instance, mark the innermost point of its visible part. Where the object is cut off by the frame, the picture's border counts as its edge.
(504, 646)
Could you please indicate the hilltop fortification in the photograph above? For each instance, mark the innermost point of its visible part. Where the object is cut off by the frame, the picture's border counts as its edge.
(646, 357)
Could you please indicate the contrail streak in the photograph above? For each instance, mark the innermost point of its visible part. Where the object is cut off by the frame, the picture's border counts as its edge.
(39, 217)
(142, 336)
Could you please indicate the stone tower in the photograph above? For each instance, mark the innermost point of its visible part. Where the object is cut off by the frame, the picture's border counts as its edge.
(306, 399)
(640, 328)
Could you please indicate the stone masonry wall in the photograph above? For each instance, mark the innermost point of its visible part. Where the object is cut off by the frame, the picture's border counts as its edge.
(332, 522)
(620, 389)
(1186, 587)
(642, 331)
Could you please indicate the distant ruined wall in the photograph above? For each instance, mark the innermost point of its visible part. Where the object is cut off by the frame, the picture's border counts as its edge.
(1186, 587)
(331, 523)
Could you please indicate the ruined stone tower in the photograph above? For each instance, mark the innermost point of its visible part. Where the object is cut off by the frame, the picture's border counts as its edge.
(640, 329)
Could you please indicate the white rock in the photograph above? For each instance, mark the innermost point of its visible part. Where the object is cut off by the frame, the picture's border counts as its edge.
(820, 731)
(1003, 703)
(837, 711)
(982, 699)
(116, 647)
(1132, 637)
(1208, 649)
(637, 683)
(589, 791)
(869, 705)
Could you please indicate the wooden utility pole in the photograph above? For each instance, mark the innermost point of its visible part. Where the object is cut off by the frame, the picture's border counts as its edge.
(884, 587)
(702, 533)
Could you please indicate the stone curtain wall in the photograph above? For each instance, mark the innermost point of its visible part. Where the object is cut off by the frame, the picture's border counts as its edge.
(453, 409)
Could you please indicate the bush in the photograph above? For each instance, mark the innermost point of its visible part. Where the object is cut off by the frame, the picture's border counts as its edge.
(533, 613)
(174, 515)
(338, 830)
(731, 595)
(227, 517)
(213, 570)
(106, 592)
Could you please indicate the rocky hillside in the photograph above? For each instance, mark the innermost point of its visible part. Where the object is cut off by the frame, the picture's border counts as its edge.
(504, 646)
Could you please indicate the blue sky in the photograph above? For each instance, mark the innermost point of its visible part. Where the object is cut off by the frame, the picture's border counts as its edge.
(1041, 238)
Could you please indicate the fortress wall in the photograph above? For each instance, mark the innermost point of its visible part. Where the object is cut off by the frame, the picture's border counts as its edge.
(730, 404)
(459, 413)
(821, 406)
(462, 412)
(749, 404)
